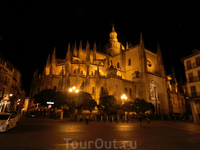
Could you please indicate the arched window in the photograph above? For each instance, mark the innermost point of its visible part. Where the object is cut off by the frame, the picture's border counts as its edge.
(129, 62)
(81, 71)
(102, 90)
(92, 90)
(118, 65)
(130, 92)
(92, 73)
(74, 70)
(126, 91)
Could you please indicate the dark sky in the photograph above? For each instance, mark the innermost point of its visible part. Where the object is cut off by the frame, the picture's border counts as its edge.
(30, 30)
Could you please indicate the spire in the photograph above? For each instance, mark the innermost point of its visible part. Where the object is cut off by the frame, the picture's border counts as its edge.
(113, 34)
(141, 41)
(48, 64)
(173, 76)
(75, 49)
(68, 53)
(94, 53)
(127, 46)
(48, 61)
(80, 49)
(113, 28)
(36, 73)
(53, 58)
(87, 51)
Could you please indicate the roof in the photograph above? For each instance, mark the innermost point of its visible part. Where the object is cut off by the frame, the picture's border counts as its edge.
(7, 61)
(195, 52)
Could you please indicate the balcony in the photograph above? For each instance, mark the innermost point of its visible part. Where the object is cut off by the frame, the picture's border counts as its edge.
(193, 79)
(194, 96)
(192, 65)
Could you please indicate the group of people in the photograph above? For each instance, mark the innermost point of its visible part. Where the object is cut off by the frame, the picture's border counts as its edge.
(81, 118)
(87, 117)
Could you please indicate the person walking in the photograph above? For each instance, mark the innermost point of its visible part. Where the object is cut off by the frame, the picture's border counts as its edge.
(127, 118)
(87, 118)
(148, 118)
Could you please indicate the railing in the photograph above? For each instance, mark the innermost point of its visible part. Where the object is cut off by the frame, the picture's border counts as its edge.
(193, 95)
(193, 79)
(192, 65)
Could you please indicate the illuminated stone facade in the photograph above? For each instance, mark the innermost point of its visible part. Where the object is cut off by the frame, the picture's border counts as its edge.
(11, 94)
(134, 71)
(192, 73)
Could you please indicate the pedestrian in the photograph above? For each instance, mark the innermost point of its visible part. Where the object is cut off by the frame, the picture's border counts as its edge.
(87, 118)
(148, 118)
(75, 116)
(132, 118)
(127, 118)
(123, 119)
(80, 119)
(140, 119)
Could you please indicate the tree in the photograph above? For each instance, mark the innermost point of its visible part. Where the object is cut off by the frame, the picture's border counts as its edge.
(108, 105)
(48, 95)
(128, 106)
(89, 105)
(141, 106)
(70, 101)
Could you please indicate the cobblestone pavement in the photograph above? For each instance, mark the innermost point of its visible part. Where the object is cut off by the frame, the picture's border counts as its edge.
(47, 134)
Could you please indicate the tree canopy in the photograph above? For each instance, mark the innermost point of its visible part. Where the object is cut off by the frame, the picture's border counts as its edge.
(67, 100)
(138, 106)
(108, 105)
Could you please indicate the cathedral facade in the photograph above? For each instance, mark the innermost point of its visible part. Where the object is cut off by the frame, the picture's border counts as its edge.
(131, 70)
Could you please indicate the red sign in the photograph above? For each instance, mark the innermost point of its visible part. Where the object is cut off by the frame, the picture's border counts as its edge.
(49, 106)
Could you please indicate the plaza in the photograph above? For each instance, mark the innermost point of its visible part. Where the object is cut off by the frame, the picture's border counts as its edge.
(49, 134)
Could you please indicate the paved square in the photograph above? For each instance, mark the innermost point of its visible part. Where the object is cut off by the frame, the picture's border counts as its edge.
(38, 133)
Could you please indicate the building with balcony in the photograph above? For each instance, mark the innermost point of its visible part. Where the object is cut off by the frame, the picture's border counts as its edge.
(192, 72)
(11, 94)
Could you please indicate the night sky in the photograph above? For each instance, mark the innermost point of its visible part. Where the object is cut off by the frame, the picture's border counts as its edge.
(30, 30)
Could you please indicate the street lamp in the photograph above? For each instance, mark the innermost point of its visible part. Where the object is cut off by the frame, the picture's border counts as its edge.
(123, 97)
(73, 89)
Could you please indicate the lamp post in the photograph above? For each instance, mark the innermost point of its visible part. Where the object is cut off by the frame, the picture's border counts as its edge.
(73, 90)
(123, 97)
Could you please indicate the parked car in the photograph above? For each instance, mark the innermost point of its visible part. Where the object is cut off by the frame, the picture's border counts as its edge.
(7, 121)
(16, 113)
(32, 114)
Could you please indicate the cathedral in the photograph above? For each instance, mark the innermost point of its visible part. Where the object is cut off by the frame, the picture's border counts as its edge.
(131, 70)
